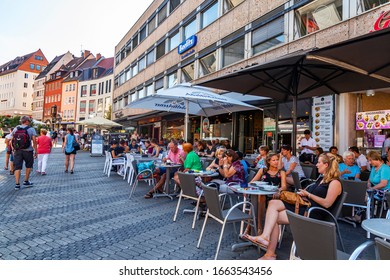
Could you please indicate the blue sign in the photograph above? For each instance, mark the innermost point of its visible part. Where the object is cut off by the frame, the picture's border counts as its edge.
(187, 44)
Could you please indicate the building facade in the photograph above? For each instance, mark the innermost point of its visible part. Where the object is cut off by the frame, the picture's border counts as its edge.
(17, 83)
(194, 41)
(39, 83)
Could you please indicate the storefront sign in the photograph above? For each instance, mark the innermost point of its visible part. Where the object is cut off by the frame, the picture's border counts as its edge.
(269, 124)
(373, 120)
(322, 115)
(187, 44)
(382, 22)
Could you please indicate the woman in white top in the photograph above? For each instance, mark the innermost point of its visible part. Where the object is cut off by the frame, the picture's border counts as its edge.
(290, 164)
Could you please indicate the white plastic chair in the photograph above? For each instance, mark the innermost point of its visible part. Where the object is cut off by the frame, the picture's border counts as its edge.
(128, 166)
(106, 163)
(114, 162)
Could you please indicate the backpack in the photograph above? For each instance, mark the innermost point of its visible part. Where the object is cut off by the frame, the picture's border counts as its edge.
(21, 140)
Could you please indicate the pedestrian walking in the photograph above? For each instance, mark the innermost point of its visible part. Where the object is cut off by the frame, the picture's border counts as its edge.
(70, 152)
(9, 157)
(54, 137)
(24, 146)
(44, 148)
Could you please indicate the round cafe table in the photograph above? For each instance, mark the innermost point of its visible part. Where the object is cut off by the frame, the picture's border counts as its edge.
(379, 227)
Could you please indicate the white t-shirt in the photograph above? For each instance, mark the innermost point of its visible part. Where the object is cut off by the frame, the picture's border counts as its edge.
(311, 143)
(362, 161)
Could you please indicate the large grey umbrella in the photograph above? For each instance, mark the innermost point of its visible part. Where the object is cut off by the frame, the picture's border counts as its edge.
(355, 65)
(99, 122)
(191, 100)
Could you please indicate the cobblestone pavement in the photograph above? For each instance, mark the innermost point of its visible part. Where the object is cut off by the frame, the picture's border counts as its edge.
(89, 216)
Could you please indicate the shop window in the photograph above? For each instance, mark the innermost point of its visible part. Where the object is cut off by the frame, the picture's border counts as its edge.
(174, 41)
(268, 35)
(173, 5)
(208, 64)
(141, 64)
(209, 15)
(152, 24)
(365, 5)
(318, 15)
(189, 29)
(162, 14)
(230, 4)
(234, 52)
(150, 58)
(142, 34)
(159, 85)
(172, 79)
(188, 73)
(160, 50)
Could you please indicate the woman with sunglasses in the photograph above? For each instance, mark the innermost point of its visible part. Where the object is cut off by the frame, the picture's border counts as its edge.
(323, 193)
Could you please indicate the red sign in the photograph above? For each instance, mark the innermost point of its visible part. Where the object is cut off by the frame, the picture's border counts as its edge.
(382, 22)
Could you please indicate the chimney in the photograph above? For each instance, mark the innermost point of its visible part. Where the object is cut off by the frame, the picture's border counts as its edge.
(86, 53)
(98, 56)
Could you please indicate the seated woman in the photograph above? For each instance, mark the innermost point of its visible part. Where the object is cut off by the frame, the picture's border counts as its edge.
(192, 161)
(217, 163)
(175, 156)
(323, 193)
(334, 151)
(260, 161)
(148, 147)
(156, 148)
(201, 148)
(290, 164)
(349, 169)
(116, 150)
(232, 171)
(134, 147)
(211, 149)
(272, 174)
(379, 180)
(123, 144)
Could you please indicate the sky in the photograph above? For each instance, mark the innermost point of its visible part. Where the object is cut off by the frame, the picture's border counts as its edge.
(56, 27)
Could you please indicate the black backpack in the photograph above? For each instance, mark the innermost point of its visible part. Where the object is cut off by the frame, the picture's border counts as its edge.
(21, 140)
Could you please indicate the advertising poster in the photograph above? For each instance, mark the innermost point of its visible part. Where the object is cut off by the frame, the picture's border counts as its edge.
(322, 116)
(373, 120)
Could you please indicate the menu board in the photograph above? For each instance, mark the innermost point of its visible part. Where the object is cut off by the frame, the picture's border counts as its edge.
(322, 115)
(373, 120)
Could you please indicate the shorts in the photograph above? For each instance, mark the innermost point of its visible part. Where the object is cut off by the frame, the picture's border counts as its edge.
(71, 153)
(26, 156)
(8, 149)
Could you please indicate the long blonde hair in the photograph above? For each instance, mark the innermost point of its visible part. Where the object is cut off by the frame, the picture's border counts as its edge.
(333, 171)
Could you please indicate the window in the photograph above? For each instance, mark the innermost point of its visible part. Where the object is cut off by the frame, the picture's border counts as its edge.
(24, 104)
(141, 64)
(83, 91)
(366, 5)
(268, 35)
(208, 64)
(162, 14)
(24, 94)
(122, 78)
(93, 90)
(67, 88)
(73, 87)
(134, 70)
(142, 34)
(83, 105)
(100, 105)
(135, 41)
(107, 103)
(141, 93)
(160, 50)
(25, 85)
(38, 67)
(127, 76)
(38, 57)
(230, 4)
(32, 66)
(189, 29)
(234, 52)
(150, 58)
(174, 41)
(91, 108)
(318, 15)
(188, 73)
(159, 85)
(173, 5)
(25, 75)
(209, 15)
(172, 79)
(152, 24)
(149, 90)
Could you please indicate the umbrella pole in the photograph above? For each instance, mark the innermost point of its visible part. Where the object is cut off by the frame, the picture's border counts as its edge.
(294, 119)
(186, 121)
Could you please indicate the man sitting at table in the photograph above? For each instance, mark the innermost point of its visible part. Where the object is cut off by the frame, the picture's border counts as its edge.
(175, 156)
(116, 152)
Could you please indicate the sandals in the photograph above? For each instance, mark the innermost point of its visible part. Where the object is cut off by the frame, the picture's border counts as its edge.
(268, 257)
(257, 240)
(148, 195)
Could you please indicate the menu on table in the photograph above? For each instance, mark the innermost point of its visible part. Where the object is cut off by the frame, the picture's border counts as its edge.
(322, 115)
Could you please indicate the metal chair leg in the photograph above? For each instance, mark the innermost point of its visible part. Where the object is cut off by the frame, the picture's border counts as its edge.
(177, 207)
(220, 240)
(203, 227)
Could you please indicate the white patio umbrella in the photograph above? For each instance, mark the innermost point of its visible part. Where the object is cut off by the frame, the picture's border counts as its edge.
(98, 122)
(191, 100)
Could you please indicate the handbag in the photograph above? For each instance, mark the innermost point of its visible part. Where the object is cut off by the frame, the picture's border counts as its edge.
(295, 199)
(76, 145)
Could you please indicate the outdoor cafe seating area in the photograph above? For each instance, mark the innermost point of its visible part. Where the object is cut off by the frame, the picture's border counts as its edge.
(245, 207)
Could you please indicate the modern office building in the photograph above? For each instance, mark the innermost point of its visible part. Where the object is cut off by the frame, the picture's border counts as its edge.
(17, 83)
(39, 83)
(176, 41)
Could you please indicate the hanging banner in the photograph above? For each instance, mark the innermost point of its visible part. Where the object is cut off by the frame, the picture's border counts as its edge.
(206, 125)
(322, 116)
